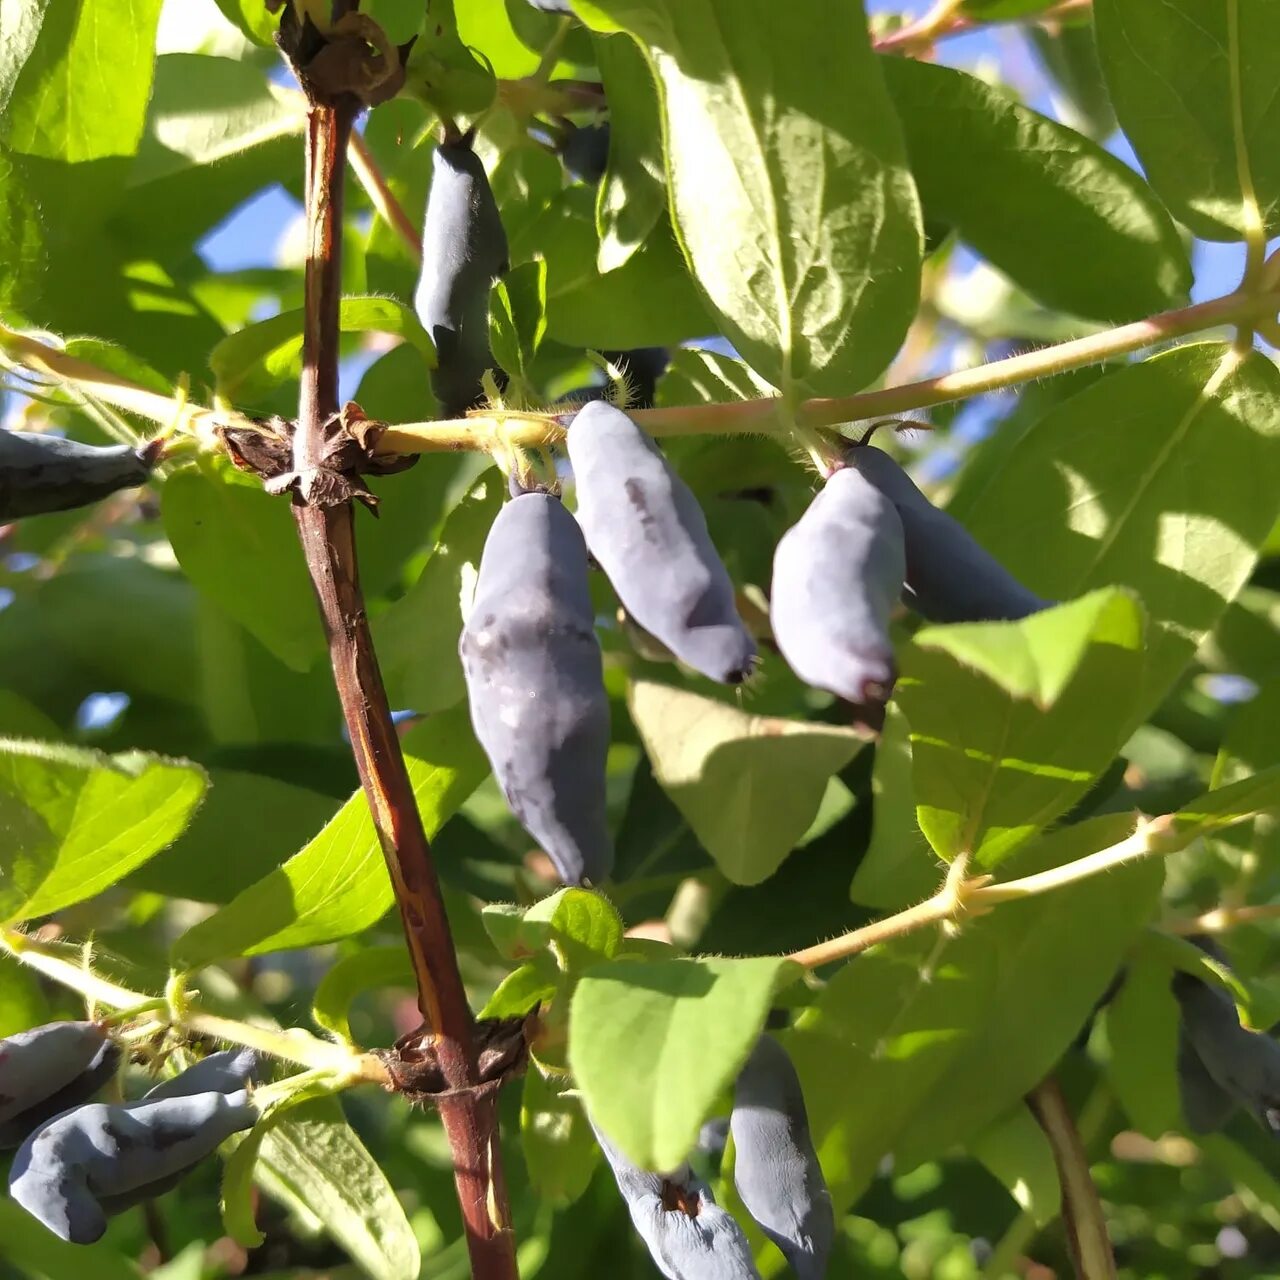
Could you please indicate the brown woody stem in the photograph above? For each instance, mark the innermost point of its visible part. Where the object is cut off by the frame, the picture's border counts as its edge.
(327, 534)
(1082, 1214)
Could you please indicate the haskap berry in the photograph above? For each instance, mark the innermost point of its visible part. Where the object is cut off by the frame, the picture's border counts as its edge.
(950, 576)
(44, 473)
(35, 1083)
(536, 686)
(776, 1170)
(837, 574)
(226, 1071)
(645, 528)
(464, 250)
(1243, 1063)
(97, 1160)
(688, 1235)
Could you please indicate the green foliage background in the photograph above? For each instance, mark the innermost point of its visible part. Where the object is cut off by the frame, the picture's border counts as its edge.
(775, 181)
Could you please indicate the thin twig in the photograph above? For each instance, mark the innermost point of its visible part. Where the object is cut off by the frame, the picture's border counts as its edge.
(327, 534)
(383, 199)
(1082, 1215)
(1222, 919)
(920, 37)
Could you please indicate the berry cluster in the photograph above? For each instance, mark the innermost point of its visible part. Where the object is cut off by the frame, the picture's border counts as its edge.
(80, 1162)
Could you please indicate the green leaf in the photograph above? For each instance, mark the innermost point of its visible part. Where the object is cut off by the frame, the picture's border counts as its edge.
(789, 187)
(338, 884)
(898, 867)
(417, 637)
(1005, 731)
(523, 988)
(442, 71)
(652, 1045)
(517, 316)
(1142, 1033)
(369, 967)
(22, 1003)
(633, 193)
(1014, 1148)
(1069, 55)
(1259, 793)
(248, 364)
(76, 821)
(252, 18)
(1194, 87)
(36, 1251)
(1163, 477)
(581, 928)
(560, 1151)
(1043, 186)
(314, 1159)
(237, 836)
(919, 1044)
(237, 543)
(61, 106)
(749, 786)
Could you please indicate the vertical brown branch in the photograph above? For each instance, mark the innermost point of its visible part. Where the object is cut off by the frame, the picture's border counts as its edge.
(1082, 1214)
(327, 533)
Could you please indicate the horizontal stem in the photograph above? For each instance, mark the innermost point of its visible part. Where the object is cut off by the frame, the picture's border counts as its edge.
(292, 1046)
(1221, 919)
(932, 911)
(483, 430)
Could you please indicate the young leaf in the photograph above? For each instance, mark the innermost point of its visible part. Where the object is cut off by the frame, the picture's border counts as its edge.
(313, 1158)
(1162, 478)
(1044, 186)
(789, 187)
(523, 988)
(1005, 731)
(76, 821)
(236, 543)
(652, 1045)
(560, 1151)
(749, 786)
(580, 927)
(338, 884)
(369, 967)
(1014, 1148)
(1194, 87)
(1142, 1034)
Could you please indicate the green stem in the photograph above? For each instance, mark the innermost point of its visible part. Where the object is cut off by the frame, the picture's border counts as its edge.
(291, 1046)
(753, 417)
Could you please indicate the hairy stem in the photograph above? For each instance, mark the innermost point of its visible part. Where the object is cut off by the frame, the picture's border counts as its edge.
(383, 199)
(1082, 1214)
(532, 430)
(327, 533)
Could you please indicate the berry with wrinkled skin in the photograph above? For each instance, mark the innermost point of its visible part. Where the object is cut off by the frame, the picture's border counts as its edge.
(536, 686)
(35, 1064)
(227, 1071)
(43, 473)
(950, 576)
(585, 152)
(688, 1235)
(100, 1069)
(1205, 1103)
(837, 574)
(1244, 1063)
(464, 250)
(775, 1169)
(97, 1160)
(648, 533)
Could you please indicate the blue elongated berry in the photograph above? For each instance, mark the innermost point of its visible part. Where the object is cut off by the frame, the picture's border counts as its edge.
(42, 473)
(776, 1170)
(1243, 1063)
(688, 1235)
(97, 1072)
(837, 574)
(1205, 1103)
(585, 152)
(35, 1064)
(535, 683)
(647, 532)
(96, 1160)
(227, 1071)
(950, 576)
(464, 250)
